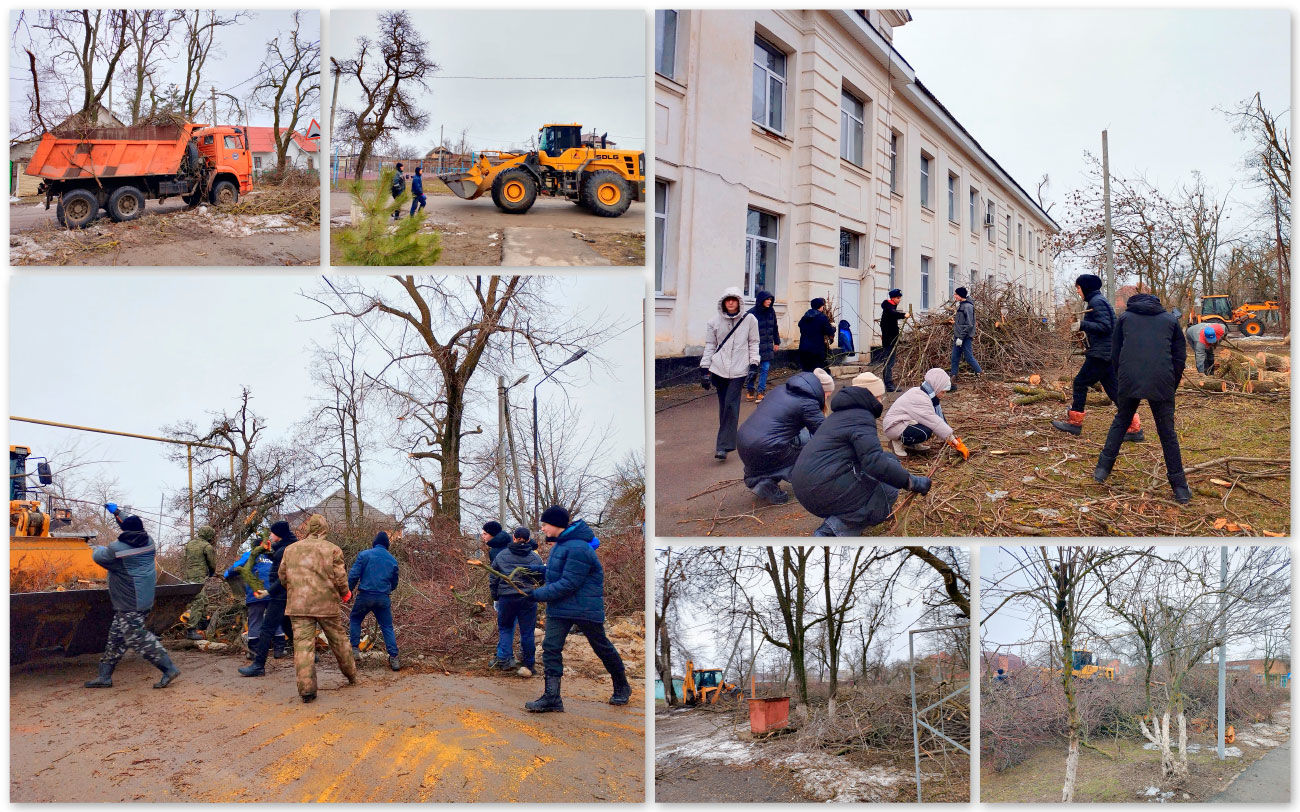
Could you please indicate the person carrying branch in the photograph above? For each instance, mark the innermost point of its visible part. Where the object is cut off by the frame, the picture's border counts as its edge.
(731, 352)
(917, 416)
(1097, 324)
(574, 594)
(843, 475)
(373, 577)
(1149, 356)
(274, 619)
(522, 565)
(253, 570)
(770, 439)
(963, 336)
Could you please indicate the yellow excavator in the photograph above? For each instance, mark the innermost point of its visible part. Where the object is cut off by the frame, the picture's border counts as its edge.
(602, 181)
(58, 595)
(704, 686)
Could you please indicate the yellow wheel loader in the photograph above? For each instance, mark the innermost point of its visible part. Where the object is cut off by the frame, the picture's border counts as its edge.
(704, 686)
(602, 181)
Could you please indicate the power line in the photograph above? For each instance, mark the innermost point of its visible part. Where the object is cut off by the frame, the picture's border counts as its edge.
(542, 78)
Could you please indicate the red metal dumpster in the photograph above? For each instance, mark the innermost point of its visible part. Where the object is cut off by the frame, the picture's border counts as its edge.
(768, 713)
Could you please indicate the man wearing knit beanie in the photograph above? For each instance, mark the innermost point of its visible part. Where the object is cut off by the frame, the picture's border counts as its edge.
(574, 594)
(890, 321)
(275, 618)
(1097, 323)
(770, 439)
(963, 336)
(373, 578)
(815, 331)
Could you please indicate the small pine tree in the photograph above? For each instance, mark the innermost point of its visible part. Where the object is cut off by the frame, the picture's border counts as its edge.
(377, 240)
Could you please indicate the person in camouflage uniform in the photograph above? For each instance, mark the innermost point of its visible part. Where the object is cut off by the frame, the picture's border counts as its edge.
(131, 582)
(200, 565)
(312, 571)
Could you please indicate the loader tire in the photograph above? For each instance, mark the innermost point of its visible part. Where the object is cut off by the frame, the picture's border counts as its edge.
(80, 208)
(514, 191)
(1251, 327)
(125, 203)
(225, 193)
(605, 194)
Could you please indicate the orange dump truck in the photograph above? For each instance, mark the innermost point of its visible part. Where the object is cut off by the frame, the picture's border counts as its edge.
(118, 168)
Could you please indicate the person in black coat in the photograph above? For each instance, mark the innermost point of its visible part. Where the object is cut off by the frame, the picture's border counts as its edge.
(814, 328)
(890, 319)
(769, 341)
(770, 439)
(1097, 323)
(274, 620)
(398, 187)
(1149, 353)
(843, 475)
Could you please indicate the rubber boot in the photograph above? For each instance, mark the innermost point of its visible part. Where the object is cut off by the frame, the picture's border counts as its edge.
(356, 654)
(770, 491)
(281, 649)
(549, 701)
(169, 672)
(1182, 493)
(1134, 433)
(1072, 424)
(394, 663)
(105, 678)
(253, 669)
(622, 690)
(897, 447)
(1102, 471)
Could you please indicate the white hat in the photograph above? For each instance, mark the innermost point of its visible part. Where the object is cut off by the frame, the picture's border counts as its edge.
(869, 382)
(827, 382)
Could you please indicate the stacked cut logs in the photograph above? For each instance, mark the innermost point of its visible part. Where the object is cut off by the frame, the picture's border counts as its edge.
(1236, 371)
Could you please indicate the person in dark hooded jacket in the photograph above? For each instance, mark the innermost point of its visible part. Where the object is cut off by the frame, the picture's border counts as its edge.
(131, 581)
(278, 598)
(372, 579)
(1097, 324)
(1148, 355)
(769, 341)
(770, 439)
(574, 594)
(525, 567)
(496, 539)
(843, 475)
(890, 319)
(814, 329)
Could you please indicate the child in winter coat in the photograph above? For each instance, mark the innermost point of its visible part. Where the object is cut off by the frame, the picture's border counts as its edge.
(917, 416)
(525, 567)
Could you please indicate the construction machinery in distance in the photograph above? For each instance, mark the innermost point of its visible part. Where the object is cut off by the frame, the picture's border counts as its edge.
(602, 181)
(1250, 318)
(1084, 666)
(58, 595)
(704, 686)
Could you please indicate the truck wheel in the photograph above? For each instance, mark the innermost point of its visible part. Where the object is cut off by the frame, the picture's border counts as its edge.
(605, 194)
(125, 203)
(80, 208)
(1251, 327)
(58, 213)
(225, 193)
(514, 191)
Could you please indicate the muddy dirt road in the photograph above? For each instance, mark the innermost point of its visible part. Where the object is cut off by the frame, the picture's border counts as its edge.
(214, 736)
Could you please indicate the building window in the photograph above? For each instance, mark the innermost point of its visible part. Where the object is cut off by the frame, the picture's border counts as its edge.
(1031, 245)
(893, 268)
(849, 243)
(257, 161)
(925, 283)
(972, 277)
(665, 41)
(852, 128)
(974, 207)
(952, 197)
(893, 162)
(1020, 238)
(760, 252)
(988, 221)
(769, 85)
(925, 180)
(952, 279)
(661, 232)
(1008, 218)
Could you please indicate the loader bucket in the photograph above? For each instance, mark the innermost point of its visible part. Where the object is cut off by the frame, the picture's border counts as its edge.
(462, 184)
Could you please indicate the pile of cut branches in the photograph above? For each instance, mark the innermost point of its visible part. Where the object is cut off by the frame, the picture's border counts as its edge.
(298, 200)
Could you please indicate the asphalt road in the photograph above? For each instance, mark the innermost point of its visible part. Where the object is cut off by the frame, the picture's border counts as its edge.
(1268, 780)
(27, 215)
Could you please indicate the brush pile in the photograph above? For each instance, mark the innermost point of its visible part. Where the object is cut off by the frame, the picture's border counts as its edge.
(297, 196)
(1012, 337)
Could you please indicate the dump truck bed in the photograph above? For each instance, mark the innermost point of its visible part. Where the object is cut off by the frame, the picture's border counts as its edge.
(111, 152)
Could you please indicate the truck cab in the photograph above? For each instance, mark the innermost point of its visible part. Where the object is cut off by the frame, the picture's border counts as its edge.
(226, 150)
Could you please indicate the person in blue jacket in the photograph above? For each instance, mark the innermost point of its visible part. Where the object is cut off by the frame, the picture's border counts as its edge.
(132, 578)
(574, 594)
(524, 566)
(254, 580)
(417, 190)
(372, 579)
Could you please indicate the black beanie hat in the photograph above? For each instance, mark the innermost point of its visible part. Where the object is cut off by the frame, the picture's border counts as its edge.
(895, 294)
(523, 533)
(492, 527)
(381, 539)
(133, 523)
(556, 516)
(399, 166)
(817, 303)
(1088, 282)
(961, 292)
(282, 529)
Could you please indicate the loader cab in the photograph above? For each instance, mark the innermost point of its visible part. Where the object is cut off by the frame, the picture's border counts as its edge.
(556, 139)
(708, 679)
(19, 490)
(1082, 658)
(1217, 305)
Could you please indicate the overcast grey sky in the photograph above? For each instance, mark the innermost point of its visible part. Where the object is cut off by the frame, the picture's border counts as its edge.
(233, 63)
(135, 353)
(1036, 87)
(524, 46)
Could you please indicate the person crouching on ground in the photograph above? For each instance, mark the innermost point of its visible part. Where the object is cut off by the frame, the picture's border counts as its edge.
(312, 572)
(730, 354)
(1203, 338)
(843, 475)
(574, 594)
(374, 577)
(770, 439)
(1097, 323)
(525, 567)
(917, 416)
(131, 582)
(1150, 355)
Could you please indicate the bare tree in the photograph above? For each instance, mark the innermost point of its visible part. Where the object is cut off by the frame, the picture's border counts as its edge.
(1199, 216)
(200, 33)
(291, 83)
(1269, 159)
(84, 39)
(389, 72)
(148, 32)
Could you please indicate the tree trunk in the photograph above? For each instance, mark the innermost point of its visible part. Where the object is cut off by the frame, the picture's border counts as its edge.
(1071, 764)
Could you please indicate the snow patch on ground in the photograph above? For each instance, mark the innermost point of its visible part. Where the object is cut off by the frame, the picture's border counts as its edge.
(727, 744)
(834, 779)
(25, 249)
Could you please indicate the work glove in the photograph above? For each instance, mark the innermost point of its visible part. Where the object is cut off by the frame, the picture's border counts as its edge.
(260, 593)
(705, 381)
(348, 596)
(956, 443)
(1074, 328)
(919, 484)
(957, 342)
(111, 507)
(753, 369)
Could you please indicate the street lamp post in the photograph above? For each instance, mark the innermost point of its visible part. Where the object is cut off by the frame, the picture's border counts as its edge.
(503, 409)
(537, 454)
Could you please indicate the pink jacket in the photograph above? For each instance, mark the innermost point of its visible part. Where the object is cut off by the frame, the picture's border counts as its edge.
(914, 406)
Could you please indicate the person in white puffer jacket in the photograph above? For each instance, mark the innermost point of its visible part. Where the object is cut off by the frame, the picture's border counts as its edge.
(917, 416)
(730, 355)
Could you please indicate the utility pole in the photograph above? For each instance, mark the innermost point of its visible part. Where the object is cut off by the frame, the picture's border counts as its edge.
(501, 448)
(1223, 648)
(442, 148)
(1110, 240)
(214, 106)
(334, 97)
